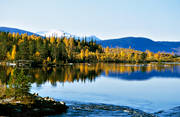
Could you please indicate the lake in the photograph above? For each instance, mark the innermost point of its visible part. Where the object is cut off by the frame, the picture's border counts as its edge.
(149, 88)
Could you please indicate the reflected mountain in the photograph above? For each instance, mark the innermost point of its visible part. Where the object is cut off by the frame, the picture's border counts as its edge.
(144, 72)
(143, 75)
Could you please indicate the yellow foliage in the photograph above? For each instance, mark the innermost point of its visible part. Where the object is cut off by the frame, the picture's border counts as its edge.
(71, 42)
(86, 53)
(157, 56)
(58, 40)
(8, 71)
(14, 34)
(20, 41)
(9, 34)
(129, 56)
(52, 40)
(48, 59)
(122, 53)
(36, 75)
(107, 49)
(12, 72)
(82, 54)
(149, 54)
(44, 61)
(13, 54)
(97, 54)
(136, 57)
(8, 56)
(24, 35)
(66, 42)
(54, 61)
(37, 54)
(79, 45)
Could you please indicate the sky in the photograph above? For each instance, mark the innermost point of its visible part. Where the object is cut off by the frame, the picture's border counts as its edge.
(158, 20)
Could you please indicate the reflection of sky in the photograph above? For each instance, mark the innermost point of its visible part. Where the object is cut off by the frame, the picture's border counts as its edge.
(148, 95)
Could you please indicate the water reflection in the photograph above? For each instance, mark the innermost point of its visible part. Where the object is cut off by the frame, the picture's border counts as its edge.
(99, 83)
(113, 84)
(15, 86)
(88, 73)
(141, 72)
(78, 73)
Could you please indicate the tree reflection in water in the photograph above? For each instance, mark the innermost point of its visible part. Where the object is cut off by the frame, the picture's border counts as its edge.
(16, 87)
(19, 82)
(16, 80)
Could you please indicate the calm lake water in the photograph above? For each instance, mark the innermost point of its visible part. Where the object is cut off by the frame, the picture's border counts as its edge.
(149, 88)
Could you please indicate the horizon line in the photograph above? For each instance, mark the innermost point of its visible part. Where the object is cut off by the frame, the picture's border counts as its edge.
(82, 35)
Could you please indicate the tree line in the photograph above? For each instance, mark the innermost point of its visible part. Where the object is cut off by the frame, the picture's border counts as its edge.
(43, 50)
(60, 50)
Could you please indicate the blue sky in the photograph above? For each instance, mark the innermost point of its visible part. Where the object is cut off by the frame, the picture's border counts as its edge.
(107, 19)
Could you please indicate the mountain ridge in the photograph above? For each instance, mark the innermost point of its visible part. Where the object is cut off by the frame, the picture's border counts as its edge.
(137, 43)
(140, 43)
(16, 30)
(56, 33)
(61, 33)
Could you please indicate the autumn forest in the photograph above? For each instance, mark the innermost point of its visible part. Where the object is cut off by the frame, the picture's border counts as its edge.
(56, 51)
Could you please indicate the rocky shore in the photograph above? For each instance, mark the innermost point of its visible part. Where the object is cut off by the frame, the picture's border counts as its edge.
(38, 106)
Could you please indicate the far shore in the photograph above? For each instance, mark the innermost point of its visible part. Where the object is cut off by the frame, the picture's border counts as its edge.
(14, 64)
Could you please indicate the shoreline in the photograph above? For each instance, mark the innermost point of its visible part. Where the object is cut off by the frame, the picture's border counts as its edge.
(14, 64)
(41, 106)
(46, 106)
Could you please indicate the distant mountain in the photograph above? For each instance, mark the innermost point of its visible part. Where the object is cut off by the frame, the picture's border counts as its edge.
(55, 33)
(170, 44)
(174, 45)
(11, 30)
(140, 43)
(61, 33)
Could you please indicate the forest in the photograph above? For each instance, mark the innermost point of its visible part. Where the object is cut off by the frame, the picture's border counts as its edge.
(57, 51)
